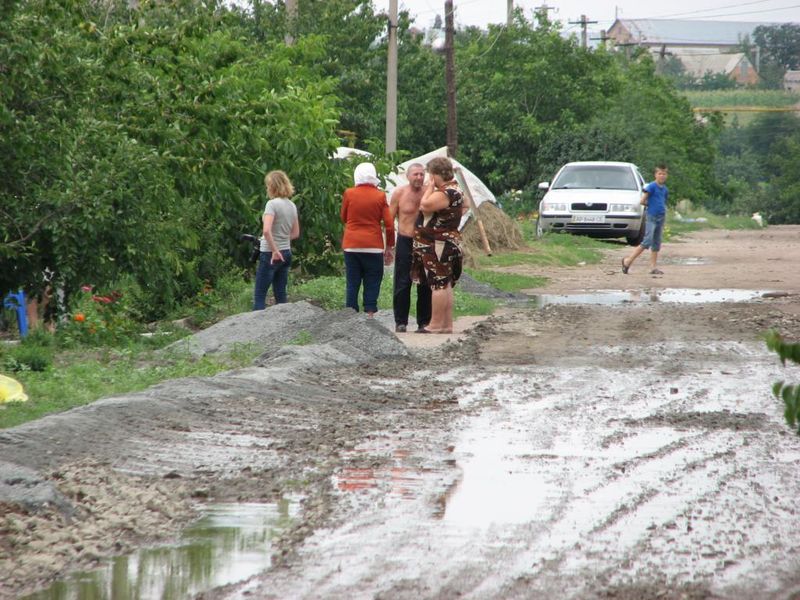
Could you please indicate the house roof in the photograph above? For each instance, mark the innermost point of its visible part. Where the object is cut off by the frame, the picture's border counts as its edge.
(681, 32)
(700, 64)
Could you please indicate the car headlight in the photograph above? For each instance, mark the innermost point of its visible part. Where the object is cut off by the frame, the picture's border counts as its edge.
(623, 208)
(554, 207)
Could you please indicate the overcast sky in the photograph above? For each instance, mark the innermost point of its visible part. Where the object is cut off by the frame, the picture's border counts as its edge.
(481, 12)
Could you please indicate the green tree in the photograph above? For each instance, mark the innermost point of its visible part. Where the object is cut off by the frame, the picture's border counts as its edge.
(350, 37)
(780, 50)
(517, 85)
(141, 147)
(650, 111)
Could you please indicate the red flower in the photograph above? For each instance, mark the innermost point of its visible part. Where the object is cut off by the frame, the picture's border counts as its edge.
(103, 299)
(86, 288)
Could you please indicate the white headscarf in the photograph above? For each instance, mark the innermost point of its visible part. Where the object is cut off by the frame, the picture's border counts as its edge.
(365, 173)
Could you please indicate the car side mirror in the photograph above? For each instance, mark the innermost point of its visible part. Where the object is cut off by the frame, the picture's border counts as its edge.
(544, 185)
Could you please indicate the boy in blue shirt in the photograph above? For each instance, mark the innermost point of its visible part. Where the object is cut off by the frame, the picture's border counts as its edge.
(654, 198)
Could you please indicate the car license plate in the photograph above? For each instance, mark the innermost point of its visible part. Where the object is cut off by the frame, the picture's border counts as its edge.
(588, 218)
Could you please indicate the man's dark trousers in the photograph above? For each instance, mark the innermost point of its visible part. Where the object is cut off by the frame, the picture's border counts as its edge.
(402, 286)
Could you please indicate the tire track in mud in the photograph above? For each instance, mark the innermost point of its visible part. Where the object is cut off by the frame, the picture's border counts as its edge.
(627, 467)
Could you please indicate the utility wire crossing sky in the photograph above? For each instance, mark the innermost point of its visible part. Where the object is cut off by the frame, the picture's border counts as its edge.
(483, 12)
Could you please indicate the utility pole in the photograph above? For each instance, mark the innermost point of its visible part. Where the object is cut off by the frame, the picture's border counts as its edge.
(543, 11)
(391, 81)
(603, 38)
(583, 23)
(509, 12)
(291, 18)
(450, 79)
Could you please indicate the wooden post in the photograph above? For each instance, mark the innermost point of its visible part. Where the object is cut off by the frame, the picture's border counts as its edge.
(391, 81)
(462, 181)
(450, 79)
(291, 18)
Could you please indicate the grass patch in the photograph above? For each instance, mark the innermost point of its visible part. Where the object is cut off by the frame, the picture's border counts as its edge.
(77, 379)
(675, 228)
(303, 338)
(728, 98)
(554, 249)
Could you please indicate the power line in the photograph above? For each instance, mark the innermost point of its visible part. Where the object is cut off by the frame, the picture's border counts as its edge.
(497, 37)
(712, 9)
(751, 12)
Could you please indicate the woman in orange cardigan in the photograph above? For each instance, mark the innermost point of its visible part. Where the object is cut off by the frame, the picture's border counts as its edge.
(364, 209)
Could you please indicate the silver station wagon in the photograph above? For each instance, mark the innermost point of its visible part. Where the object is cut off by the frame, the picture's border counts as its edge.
(600, 199)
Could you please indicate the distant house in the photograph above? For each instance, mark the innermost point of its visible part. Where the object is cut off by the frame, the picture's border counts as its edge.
(676, 34)
(702, 46)
(736, 66)
(791, 81)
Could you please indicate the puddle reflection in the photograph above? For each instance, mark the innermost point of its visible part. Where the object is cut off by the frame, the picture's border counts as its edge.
(498, 485)
(398, 479)
(671, 295)
(229, 544)
(689, 261)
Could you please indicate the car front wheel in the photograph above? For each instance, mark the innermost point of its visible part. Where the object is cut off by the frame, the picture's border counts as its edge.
(636, 239)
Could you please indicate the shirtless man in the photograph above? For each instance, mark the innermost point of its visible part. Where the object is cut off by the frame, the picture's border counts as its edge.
(404, 206)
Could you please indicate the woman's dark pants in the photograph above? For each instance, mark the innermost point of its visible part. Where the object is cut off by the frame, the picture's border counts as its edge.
(363, 268)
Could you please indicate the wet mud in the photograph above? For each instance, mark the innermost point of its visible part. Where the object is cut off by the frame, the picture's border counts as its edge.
(584, 450)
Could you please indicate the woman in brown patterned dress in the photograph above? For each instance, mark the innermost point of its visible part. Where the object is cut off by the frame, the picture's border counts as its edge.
(437, 254)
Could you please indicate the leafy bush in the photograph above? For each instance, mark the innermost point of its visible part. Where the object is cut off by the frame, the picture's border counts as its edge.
(34, 353)
(790, 394)
(98, 318)
(520, 203)
(231, 295)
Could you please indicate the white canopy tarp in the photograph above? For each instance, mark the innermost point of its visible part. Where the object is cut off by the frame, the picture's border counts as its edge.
(480, 193)
(343, 152)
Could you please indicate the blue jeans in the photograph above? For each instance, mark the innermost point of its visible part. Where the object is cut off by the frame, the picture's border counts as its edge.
(269, 274)
(653, 230)
(366, 268)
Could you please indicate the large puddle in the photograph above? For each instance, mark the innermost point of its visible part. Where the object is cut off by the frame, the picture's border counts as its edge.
(670, 295)
(689, 261)
(230, 543)
(560, 473)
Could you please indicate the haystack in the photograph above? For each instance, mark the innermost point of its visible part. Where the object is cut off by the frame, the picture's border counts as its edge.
(502, 232)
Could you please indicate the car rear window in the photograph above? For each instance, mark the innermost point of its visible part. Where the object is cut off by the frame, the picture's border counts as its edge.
(595, 177)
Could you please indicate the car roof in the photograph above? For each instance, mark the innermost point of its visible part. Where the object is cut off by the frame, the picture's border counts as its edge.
(605, 163)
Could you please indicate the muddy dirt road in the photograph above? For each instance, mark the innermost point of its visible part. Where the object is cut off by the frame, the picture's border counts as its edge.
(624, 444)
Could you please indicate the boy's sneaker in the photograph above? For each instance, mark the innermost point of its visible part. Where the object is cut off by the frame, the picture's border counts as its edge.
(400, 328)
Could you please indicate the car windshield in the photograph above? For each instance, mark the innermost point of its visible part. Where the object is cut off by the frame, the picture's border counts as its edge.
(595, 177)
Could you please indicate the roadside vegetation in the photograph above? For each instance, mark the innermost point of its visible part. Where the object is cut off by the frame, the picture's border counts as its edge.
(123, 194)
(104, 349)
(786, 392)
